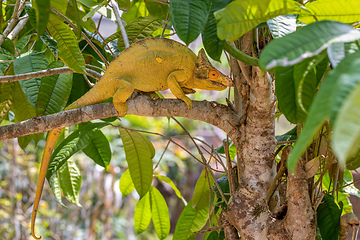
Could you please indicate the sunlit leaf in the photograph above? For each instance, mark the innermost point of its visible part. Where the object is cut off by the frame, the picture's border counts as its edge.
(142, 214)
(201, 196)
(55, 188)
(342, 11)
(160, 213)
(190, 220)
(126, 185)
(172, 185)
(42, 14)
(139, 155)
(241, 16)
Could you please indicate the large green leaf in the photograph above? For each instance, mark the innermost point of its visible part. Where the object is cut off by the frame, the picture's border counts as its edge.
(160, 213)
(295, 88)
(311, 39)
(126, 184)
(139, 153)
(328, 218)
(342, 11)
(139, 29)
(213, 45)
(98, 149)
(157, 9)
(23, 111)
(67, 44)
(282, 25)
(241, 16)
(346, 135)
(42, 15)
(54, 91)
(200, 199)
(31, 62)
(336, 87)
(75, 142)
(189, 17)
(59, 5)
(142, 214)
(70, 181)
(190, 220)
(55, 187)
(337, 51)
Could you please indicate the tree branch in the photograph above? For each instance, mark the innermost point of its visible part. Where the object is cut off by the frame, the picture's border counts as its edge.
(44, 73)
(211, 112)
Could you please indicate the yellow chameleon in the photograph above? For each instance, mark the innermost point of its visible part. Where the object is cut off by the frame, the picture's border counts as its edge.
(153, 64)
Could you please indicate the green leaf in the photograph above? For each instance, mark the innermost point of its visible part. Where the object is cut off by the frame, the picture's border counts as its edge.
(342, 11)
(172, 185)
(142, 214)
(42, 15)
(160, 213)
(337, 51)
(189, 18)
(123, 4)
(32, 62)
(139, 153)
(70, 181)
(157, 9)
(137, 9)
(55, 188)
(4, 109)
(60, 5)
(67, 44)
(311, 39)
(23, 111)
(331, 95)
(328, 218)
(213, 45)
(54, 91)
(200, 199)
(75, 142)
(139, 29)
(288, 136)
(190, 221)
(126, 184)
(282, 25)
(98, 149)
(346, 135)
(241, 16)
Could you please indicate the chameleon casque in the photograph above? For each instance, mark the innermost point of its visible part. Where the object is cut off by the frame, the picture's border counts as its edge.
(153, 64)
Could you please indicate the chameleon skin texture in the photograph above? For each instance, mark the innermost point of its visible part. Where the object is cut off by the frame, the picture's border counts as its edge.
(152, 64)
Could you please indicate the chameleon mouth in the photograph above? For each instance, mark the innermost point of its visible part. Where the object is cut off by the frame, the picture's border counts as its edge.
(218, 84)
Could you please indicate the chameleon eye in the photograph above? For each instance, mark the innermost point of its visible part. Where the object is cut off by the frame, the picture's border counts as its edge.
(213, 74)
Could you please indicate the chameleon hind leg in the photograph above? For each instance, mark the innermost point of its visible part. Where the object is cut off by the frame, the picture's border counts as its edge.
(125, 89)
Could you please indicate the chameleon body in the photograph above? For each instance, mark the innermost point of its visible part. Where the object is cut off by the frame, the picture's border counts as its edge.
(153, 64)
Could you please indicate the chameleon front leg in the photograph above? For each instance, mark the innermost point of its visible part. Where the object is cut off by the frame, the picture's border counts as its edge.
(173, 83)
(124, 91)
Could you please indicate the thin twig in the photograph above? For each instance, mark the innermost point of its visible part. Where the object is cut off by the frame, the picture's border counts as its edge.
(44, 73)
(120, 23)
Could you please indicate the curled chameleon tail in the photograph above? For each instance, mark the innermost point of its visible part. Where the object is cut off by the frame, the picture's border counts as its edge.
(49, 146)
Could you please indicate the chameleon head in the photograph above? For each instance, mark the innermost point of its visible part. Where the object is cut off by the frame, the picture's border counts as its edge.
(207, 77)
